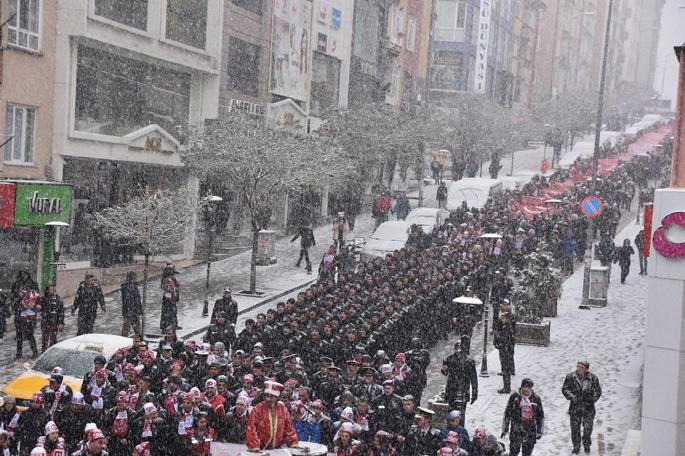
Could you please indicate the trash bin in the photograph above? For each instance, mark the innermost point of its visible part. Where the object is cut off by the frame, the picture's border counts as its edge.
(266, 247)
(599, 284)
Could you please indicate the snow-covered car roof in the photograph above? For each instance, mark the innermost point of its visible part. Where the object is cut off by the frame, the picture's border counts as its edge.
(105, 344)
(475, 182)
(396, 230)
(424, 212)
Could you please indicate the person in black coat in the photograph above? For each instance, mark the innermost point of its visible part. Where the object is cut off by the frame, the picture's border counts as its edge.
(462, 380)
(639, 241)
(504, 332)
(583, 390)
(623, 254)
(73, 419)
(88, 297)
(30, 425)
(307, 241)
(131, 305)
(227, 305)
(423, 438)
(52, 316)
(524, 419)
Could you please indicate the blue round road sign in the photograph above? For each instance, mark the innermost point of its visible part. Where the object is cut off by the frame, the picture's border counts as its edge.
(592, 206)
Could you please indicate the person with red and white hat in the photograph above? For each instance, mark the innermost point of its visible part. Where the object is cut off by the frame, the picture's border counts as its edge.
(215, 400)
(269, 425)
(100, 394)
(236, 422)
(142, 449)
(97, 442)
(248, 390)
(452, 442)
(345, 444)
(73, 419)
(30, 424)
(52, 442)
(118, 425)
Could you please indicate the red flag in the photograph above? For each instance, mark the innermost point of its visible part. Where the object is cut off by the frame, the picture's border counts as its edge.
(647, 234)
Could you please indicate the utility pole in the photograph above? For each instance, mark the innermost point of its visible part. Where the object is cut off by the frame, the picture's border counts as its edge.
(595, 161)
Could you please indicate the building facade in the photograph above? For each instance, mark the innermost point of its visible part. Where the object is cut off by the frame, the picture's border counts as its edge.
(129, 76)
(526, 38)
(472, 48)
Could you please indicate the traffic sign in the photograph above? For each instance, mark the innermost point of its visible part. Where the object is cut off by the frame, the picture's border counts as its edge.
(592, 206)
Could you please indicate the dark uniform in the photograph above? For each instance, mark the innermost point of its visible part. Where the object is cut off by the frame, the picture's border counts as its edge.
(504, 332)
(423, 440)
(52, 318)
(87, 300)
(462, 380)
(582, 392)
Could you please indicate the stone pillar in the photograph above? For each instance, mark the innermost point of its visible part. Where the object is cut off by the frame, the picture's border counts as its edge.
(663, 405)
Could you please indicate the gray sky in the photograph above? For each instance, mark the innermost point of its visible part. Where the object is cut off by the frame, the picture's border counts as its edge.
(672, 33)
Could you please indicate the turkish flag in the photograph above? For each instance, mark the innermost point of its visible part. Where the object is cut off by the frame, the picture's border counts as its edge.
(7, 194)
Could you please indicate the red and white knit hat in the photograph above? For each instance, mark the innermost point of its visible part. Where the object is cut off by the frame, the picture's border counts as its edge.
(273, 388)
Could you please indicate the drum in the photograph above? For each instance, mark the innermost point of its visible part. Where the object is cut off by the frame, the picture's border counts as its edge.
(309, 448)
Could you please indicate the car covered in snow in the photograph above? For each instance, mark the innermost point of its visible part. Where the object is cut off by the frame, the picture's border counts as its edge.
(74, 355)
(427, 217)
(476, 191)
(388, 237)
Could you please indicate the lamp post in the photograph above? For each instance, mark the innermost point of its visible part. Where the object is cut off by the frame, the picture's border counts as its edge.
(484, 359)
(209, 223)
(595, 162)
(56, 249)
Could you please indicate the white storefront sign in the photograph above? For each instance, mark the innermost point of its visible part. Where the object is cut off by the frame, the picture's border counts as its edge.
(482, 47)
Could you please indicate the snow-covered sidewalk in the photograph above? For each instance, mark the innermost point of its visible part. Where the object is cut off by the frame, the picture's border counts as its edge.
(610, 338)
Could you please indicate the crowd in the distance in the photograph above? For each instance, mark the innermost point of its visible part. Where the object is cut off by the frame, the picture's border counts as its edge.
(348, 356)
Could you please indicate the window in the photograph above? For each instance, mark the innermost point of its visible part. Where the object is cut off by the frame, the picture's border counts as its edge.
(23, 29)
(20, 123)
(253, 6)
(116, 95)
(325, 83)
(450, 18)
(393, 95)
(411, 33)
(243, 67)
(396, 24)
(186, 22)
(132, 13)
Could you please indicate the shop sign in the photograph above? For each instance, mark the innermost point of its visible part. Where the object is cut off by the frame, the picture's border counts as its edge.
(482, 47)
(7, 195)
(38, 204)
(253, 109)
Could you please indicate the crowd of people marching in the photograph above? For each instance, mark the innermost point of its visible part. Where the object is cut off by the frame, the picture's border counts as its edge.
(343, 364)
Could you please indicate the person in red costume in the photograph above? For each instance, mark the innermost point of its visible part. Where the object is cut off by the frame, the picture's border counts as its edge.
(269, 425)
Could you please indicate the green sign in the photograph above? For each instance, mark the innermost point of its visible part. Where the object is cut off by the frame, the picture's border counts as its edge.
(40, 203)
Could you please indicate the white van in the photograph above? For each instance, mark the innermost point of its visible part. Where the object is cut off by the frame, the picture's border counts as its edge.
(476, 191)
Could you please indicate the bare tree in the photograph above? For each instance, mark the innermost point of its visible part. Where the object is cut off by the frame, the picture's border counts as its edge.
(154, 222)
(259, 162)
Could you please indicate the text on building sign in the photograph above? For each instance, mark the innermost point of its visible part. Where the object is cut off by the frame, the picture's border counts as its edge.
(38, 205)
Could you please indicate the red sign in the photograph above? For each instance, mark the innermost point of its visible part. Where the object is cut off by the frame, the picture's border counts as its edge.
(647, 233)
(662, 244)
(7, 195)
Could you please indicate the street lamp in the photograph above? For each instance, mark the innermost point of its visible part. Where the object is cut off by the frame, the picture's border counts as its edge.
(210, 201)
(56, 248)
(484, 360)
(595, 162)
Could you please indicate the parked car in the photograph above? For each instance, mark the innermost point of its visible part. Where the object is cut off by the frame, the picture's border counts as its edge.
(427, 217)
(75, 356)
(388, 237)
(476, 191)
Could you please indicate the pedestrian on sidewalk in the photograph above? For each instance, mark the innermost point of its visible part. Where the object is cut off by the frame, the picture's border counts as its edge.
(462, 380)
(170, 297)
(88, 297)
(523, 419)
(226, 304)
(340, 230)
(131, 305)
(606, 251)
(504, 333)
(639, 242)
(623, 254)
(402, 206)
(441, 195)
(25, 314)
(582, 389)
(52, 316)
(495, 165)
(381, 207)
(307, 240)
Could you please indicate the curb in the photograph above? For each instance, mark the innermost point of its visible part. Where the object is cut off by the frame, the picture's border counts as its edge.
(253, 307)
